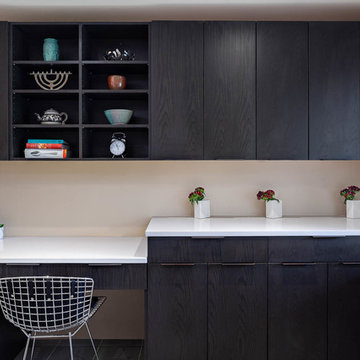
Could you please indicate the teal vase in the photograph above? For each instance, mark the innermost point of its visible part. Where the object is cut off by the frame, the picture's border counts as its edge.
(51, 50)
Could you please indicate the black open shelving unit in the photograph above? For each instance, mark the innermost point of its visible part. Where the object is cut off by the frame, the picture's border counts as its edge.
(86, 95)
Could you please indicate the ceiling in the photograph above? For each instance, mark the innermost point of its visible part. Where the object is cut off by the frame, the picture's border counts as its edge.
(127, 10)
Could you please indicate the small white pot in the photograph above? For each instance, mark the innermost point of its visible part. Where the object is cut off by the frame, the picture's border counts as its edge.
(353, 209)
(202, 209)
(273, 209)
(2, 232)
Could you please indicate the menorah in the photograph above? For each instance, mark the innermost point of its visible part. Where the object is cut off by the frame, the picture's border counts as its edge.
(51, 80)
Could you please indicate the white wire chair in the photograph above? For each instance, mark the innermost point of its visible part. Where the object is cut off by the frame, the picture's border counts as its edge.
(43, 305)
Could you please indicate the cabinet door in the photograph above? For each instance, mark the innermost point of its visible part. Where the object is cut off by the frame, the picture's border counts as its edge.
(229, 90)
(177, 312)
(344, 311)
(334, 125)
(237, 312)
(297, 312)
(282, 90)
(177, 90)
(4, 85)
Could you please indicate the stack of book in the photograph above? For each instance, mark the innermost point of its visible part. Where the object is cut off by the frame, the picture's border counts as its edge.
(46, 149)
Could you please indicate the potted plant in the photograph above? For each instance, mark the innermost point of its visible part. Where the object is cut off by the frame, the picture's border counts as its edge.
(1, 231)
(273, 205)
(201, 206)
(352, 205)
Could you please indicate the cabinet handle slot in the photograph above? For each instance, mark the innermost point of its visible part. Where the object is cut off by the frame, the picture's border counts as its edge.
(328, 237)
(350, 263)
(105, 264)
(177, 264)
(237, 264)
(298, 264)
(208, 237)
(22, 264)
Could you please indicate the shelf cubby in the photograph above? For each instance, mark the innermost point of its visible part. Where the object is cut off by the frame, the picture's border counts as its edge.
(96, 143)
(94, 106)
(86, 95)
(22, 80)
(95, 75)
(98, 38)
(27, 104)
(21, 135)
(28, 38)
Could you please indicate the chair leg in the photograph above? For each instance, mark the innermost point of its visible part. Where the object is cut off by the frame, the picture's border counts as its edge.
(71, 348)
(33, 346)
(26, 348)
(92, 341)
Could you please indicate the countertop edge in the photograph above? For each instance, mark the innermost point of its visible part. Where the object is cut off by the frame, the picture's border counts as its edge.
(98, 261)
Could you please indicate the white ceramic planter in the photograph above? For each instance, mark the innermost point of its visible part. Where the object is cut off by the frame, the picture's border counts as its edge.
(202, 209)
(2, 232)
(353, 209)
(273, 209)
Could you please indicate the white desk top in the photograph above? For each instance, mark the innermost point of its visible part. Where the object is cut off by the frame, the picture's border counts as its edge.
(88, 250)
(253, 226)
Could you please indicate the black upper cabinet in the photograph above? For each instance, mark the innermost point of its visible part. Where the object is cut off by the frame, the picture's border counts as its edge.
(334, 115)
(229, 90)
(177, 90)
(282, 90)
(297, 311)
(4, 85)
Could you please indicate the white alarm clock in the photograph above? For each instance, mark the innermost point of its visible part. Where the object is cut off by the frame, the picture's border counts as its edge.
(117, 145)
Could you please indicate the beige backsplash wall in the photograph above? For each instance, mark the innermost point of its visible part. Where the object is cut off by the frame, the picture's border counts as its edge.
(119, 198)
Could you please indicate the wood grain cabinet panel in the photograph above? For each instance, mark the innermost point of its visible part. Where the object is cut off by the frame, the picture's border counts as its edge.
(344, 311)
(229, 90)
(334, 126)
(106, 276)
(4, 86)
(207, 250)
(237, 311)
(308, 249)
(183, 249)
(282, 90)
(176, 90)
(243, 249)
(177, 316)
(297, 312)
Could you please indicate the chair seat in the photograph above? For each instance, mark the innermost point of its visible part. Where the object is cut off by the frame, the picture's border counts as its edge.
(96, 303)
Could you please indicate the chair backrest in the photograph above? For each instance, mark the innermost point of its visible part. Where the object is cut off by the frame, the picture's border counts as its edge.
(46, 304)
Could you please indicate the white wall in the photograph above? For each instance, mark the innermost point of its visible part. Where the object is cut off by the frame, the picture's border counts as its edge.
(119, 198)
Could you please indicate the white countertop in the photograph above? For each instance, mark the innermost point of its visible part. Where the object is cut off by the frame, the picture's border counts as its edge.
(88, 250)
(253, 226)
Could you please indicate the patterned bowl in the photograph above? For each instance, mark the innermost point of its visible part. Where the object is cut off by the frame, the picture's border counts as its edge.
(118, 116)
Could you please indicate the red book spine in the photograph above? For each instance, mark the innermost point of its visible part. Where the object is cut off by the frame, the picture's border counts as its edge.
(43, 146)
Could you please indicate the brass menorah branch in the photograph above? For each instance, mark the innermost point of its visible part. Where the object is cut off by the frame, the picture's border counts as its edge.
(51, 80)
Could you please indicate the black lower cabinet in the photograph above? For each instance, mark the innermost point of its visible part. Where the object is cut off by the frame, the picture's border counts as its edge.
(344, 311)
(12, 340)
(177, 316)
(237, 311)
(298, 312)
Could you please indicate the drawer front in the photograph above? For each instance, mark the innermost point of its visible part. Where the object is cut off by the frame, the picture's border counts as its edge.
(207, 250)
(183, 249)
(118, 276)
(324, 249)
(244, 249)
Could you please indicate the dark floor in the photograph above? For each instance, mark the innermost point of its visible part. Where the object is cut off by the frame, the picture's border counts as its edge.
(107, 350)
